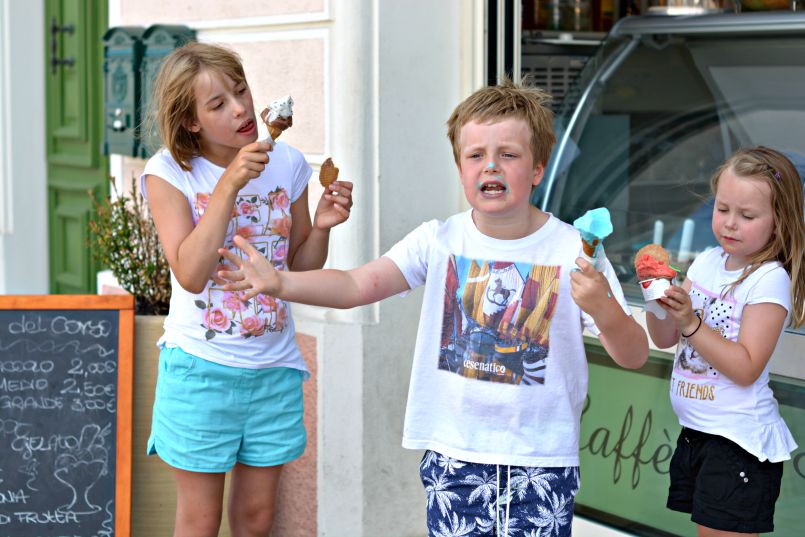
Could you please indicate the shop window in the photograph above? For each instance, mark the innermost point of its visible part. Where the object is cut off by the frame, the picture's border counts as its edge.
(661, 113)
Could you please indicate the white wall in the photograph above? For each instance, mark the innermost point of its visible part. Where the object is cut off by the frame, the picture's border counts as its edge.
(418, 87)
(23, 179)
(395, 79)
(392, 75)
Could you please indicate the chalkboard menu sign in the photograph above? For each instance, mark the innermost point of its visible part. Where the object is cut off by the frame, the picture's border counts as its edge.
(65, 415)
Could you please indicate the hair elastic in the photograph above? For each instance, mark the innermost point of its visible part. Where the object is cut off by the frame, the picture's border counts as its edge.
(684, 335)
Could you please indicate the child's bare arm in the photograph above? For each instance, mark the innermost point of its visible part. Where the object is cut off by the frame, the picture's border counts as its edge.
(254, 274)
(191, 250)
(742, 361)
(622, 337)
(187, 247)
(309, 243)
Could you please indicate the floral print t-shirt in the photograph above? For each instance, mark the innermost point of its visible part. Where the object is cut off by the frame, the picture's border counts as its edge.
(217, 325)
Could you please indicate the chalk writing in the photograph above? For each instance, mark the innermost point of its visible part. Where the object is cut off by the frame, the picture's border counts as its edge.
(58, 398)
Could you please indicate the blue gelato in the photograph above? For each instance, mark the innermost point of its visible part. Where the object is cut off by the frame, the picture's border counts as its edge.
(595, 224)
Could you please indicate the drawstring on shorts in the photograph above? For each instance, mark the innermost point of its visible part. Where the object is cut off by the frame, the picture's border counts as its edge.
(508, 501)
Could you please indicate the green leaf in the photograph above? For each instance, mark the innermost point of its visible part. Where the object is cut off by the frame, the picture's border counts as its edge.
(210, 334)
(200, 304)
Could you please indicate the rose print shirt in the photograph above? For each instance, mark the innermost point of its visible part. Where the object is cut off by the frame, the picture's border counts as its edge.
(220, 326)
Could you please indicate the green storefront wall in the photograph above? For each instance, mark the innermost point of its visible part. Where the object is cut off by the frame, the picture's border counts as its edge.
(628, 434)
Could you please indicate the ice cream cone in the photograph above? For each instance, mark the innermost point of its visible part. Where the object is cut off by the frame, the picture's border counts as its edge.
(274, 132)
(589, 246)
(278, 116)
(328, 173)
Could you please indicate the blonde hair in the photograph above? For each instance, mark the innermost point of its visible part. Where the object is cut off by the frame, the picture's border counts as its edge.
(173, 106)
(507, 100)
(787, 241)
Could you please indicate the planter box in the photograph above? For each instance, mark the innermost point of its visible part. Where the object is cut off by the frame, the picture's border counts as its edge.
(153, 494)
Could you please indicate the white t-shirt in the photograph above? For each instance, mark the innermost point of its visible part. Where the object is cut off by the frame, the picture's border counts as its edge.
(214, 324)
(499, 373)
(708, 401)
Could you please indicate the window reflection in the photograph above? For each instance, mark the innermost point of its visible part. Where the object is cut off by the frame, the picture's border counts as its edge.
(652, 134)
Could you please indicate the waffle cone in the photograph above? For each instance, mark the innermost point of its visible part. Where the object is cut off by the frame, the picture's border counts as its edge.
(589, 247)
(328, 173)
(274, 132)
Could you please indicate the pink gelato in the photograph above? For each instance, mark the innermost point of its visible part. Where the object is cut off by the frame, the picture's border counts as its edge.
(652, 262)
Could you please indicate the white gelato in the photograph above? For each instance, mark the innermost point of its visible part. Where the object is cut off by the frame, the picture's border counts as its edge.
(280, 108)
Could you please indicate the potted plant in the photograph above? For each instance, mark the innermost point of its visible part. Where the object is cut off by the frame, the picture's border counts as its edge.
(124, 239)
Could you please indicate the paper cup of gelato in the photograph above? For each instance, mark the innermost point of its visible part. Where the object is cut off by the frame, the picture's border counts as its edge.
(654, 288)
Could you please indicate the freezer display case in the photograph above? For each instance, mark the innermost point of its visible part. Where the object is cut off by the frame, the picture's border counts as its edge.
(662, 103)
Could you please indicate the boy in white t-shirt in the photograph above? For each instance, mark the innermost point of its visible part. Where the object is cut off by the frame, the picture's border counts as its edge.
(499, 374)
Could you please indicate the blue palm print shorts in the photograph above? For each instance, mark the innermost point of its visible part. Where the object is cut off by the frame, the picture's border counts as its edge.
(469, 499)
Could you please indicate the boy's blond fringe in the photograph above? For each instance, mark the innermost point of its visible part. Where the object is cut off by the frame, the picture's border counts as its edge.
(507, 100)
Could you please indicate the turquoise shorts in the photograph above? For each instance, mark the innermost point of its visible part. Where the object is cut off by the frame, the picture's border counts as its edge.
(209, 416)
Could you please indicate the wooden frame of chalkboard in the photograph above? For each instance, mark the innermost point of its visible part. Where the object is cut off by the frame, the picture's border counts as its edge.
(44, 326)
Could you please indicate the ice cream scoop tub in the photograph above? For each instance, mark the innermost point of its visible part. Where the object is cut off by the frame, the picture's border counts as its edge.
(654, 288)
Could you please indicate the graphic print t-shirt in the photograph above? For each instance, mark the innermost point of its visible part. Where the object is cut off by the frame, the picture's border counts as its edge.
(217, 325)
(701, 396)
(499, 373)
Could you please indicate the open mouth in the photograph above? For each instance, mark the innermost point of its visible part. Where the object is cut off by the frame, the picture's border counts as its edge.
(493, 187)
(247, 126)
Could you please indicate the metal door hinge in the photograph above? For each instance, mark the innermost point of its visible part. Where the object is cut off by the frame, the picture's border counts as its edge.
(55, 30)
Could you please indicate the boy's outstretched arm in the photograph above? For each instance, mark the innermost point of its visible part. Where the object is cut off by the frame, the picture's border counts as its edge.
(253, 274)
(623, 338)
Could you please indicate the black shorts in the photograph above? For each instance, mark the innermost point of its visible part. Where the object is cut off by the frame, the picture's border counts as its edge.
(721, 485)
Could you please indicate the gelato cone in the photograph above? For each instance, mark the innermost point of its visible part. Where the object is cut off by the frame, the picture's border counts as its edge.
(274, 131)
(594, 225)
(278, 117)
(589, 246)
(328, 173)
